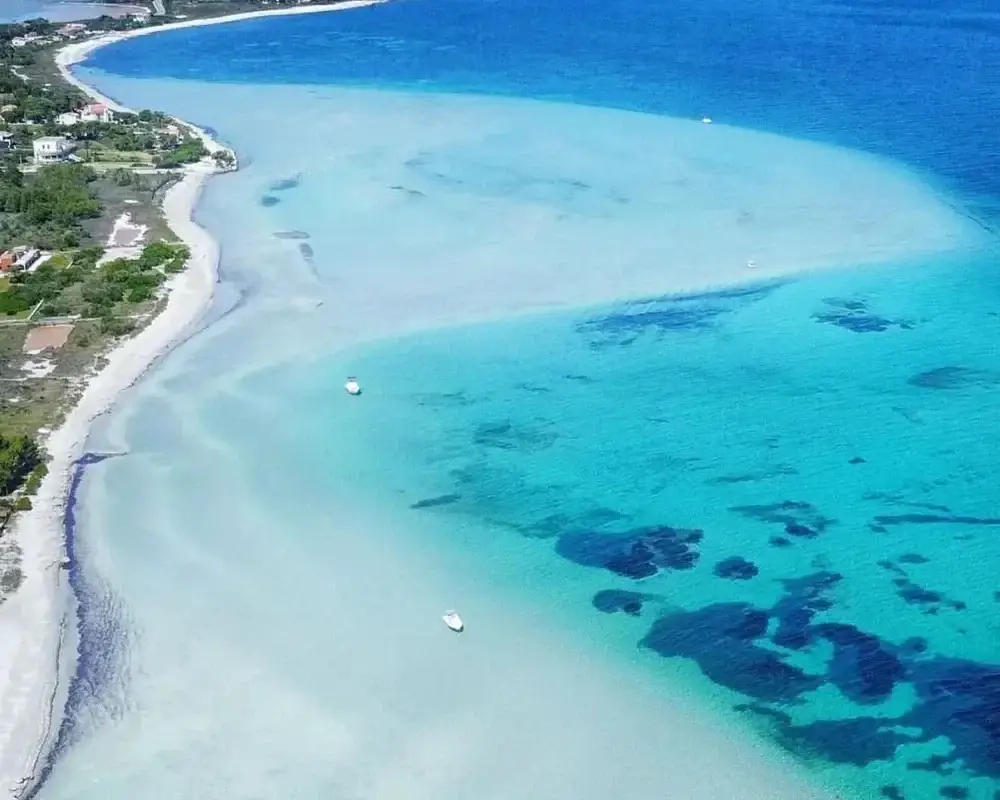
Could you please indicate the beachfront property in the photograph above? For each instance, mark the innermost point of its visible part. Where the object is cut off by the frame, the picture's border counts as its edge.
(28, 38)
(51, 149)
(6, 140)
(96, 112)
(72, 30)
(18, 259)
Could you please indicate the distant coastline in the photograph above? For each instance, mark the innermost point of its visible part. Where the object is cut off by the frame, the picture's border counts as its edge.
(82, 11)
(38, 635)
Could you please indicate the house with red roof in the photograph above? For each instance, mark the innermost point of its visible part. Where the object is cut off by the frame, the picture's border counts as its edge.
(96, 112)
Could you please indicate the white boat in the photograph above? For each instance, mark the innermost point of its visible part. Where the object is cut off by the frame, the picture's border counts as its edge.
(352, 387)
(707, 120)
(453, 621)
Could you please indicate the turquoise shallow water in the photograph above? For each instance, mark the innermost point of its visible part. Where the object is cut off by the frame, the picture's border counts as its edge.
(692, 536)
(774, 422)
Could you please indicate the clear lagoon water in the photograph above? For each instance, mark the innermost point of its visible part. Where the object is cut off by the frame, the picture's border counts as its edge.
(662, 487)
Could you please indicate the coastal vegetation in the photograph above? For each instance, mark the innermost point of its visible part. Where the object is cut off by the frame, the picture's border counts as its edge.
(46, 208)
(64, 296)
(77, 286)
(188, 9)
(60, 215)
(19, 456)
(189, 151)
(23, 101)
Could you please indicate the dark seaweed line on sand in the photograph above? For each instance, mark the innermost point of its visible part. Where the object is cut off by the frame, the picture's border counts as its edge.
(89, 668)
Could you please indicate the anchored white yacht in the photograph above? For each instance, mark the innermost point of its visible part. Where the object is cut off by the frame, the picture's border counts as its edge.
(352, 387)
(453, 621)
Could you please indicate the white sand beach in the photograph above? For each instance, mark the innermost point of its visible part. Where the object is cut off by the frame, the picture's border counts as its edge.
(39, 619)
(37, 624)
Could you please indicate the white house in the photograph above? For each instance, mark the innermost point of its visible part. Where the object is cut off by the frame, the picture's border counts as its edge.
(27, 257)
(28, 38)
(51, 149)
(96, 112)
(6, 140)
(67, 119)
(72, 29)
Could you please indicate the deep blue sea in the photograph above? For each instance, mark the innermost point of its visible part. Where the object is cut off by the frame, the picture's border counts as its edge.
(771, 498)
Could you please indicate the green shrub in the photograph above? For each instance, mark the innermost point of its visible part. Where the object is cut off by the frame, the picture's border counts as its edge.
(19, 455)
(115, 326)
(35, 479)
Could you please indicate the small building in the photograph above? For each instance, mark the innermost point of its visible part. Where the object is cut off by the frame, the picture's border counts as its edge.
(73, 29)
(96, 112)
(67, 119)
(6, 140)
(51, 149)
(18, 259)
(28, 38)
(27, 257)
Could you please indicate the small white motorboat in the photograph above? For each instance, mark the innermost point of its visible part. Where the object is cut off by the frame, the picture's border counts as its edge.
(707, 120)
(352, 387)
(751, 265)
(453, 621)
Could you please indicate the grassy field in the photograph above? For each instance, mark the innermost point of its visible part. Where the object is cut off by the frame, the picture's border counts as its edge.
(141, 201)
(30, 404)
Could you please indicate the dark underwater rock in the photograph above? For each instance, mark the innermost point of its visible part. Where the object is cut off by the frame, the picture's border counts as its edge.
(954, 377)
(720, 639)
(434, 502)
(797, 518)
(639, 553)
(856, 316)
(610, 601)
(736, 569)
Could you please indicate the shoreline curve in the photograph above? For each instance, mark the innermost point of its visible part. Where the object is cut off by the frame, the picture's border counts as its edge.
(38, 623)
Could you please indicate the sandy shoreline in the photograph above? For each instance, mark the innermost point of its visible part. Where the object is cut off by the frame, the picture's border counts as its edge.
(41, 614)
(38, 623)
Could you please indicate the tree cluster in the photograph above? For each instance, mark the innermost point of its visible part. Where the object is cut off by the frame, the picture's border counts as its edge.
(47, 207)
(188, 151)
(45, 284)
(19, 455)
(37, 103)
